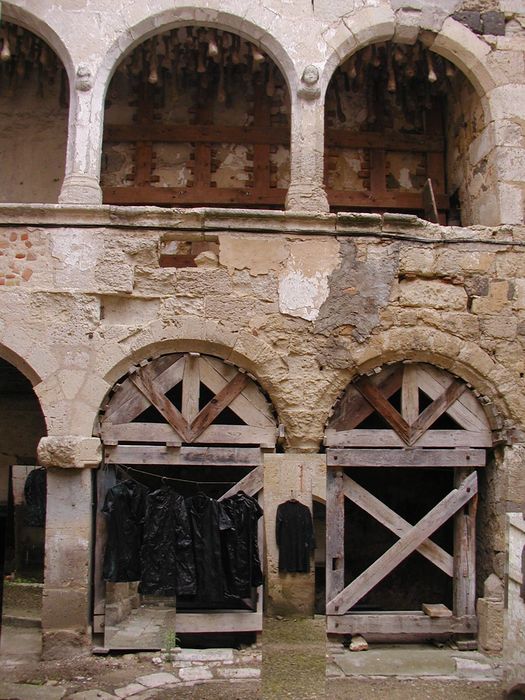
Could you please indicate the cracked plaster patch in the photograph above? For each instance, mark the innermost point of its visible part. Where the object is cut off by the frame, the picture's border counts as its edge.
(303, 287)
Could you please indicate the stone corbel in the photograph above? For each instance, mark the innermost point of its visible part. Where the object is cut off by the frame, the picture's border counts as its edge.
(70, 452)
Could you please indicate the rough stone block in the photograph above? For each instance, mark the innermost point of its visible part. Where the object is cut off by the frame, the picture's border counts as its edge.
(156, 680)
(130, 689)
(433, 293)
(69, 451)
(470, 19)
(493, 23)
(195, 673)
(491, 621)
(240, 673)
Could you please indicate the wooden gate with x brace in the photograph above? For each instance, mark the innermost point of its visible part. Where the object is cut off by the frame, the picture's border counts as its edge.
(190, 391)
(409, 442)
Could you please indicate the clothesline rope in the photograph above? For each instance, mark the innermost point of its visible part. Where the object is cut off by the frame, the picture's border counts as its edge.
(126, 470)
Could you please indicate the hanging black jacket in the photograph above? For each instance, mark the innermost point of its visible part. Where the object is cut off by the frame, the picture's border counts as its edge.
(125, 506)
(294, 533)
(240, 545)
(208, 518)
(167, 563)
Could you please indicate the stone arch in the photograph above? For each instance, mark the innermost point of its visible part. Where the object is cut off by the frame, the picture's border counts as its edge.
(20, 363)
(172, 17)
(189, 334)
(34, 23)
(453, 41)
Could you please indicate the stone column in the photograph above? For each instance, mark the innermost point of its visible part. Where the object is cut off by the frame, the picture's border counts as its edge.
(69, 530)
(81, 182)
(304, 476)
(306, 191)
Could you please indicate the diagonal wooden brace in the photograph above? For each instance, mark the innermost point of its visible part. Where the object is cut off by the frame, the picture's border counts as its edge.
(407, 544)
(394, 522)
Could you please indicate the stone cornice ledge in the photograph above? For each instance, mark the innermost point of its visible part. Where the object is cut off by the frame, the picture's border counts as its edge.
(210, 221)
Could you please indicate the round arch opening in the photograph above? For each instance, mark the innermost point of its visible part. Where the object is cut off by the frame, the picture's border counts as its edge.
(197, 116)
(34, 109)
(399, 122)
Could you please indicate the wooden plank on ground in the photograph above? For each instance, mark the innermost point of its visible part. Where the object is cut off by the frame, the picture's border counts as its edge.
(335, 533)
(435, 610)
(409, 542)
(184, 456)
(219, 621)
(381, 404)
(411, 457)
(388, 438)
(403, 626)
(216, 405)
(251, 484)
(394, 522)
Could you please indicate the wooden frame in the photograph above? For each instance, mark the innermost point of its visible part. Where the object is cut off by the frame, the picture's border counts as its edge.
(188, 436)
(411, 442)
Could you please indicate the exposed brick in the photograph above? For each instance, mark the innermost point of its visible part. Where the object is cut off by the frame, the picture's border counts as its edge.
(13, 237)
(26, 274)
(470, 19)
(20, 256)
(493, 23)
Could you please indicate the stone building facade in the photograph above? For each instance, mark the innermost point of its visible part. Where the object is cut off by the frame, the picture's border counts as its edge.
(307, 295)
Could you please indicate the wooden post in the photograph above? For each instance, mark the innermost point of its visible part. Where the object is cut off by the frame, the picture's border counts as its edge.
(464, 552)
(335, 533)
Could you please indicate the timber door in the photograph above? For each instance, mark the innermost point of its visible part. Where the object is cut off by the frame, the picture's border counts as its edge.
(195, 420)
(403, 447)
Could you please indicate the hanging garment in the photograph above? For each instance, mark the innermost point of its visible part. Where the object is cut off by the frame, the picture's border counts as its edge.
(294, 533)
(35, 491)
(242, 564)
(125, 506)
(167, 563)
(208, 519)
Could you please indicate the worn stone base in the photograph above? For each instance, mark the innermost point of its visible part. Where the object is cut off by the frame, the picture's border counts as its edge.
(63, 644)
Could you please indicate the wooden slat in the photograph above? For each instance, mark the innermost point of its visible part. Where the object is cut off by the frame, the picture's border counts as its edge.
(402, 626)
(335, 534)
(390, 199)
(219, 621)
(436, 409)
(409, 542)
(197, 133)
(214, 434)
(143, 163)
(435, 610)
(409, 395)
(466, 411)
(251, 484)
(214, 407)
(391, 140)
(388, 438)
(210, 196)
(250, 405)
(353, 408)
(413, 457)
(376, 399)
(394, 522)
(184, 456)
(190, 388)
(429, 201)
(377, 173)
(144, 383)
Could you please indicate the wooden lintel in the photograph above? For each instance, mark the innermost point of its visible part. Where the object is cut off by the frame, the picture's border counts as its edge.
(201, 196)
(185, 456)
(386, 140)
(217, 621)
(164, 433)
(389, 438)
(390, 199)
(404, 626)
(198, 133)
(406, 457)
